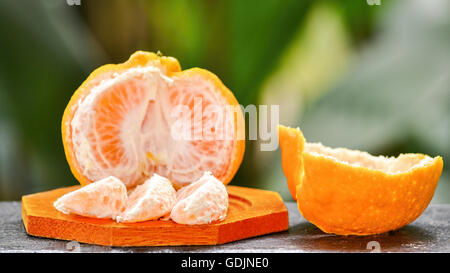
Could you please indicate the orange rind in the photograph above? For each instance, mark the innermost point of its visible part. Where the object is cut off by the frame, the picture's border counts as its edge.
(292, 144)
(350, 192)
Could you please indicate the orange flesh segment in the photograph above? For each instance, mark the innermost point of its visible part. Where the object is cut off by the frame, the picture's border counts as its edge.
(149, 201)
(202, 202)
(106, 198)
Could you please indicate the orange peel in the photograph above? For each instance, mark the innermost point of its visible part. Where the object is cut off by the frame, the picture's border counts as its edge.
(350, 192)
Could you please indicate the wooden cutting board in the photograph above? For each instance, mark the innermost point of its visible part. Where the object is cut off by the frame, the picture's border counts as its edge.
(251, 212)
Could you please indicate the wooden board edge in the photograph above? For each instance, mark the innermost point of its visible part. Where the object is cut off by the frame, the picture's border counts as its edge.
(265, 224)
(61, 229)
(24, 215)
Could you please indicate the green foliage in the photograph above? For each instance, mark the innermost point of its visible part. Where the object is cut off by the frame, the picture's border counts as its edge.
(396, 97)
(382, 83)
(38, 73)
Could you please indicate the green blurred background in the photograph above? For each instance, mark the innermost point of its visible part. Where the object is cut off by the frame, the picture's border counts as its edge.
(375, 78)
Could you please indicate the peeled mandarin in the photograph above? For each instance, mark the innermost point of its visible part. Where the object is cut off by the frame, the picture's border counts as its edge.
(125, 120)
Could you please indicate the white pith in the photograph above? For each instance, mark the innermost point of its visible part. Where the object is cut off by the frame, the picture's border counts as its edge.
(145, 133)
(390, 165)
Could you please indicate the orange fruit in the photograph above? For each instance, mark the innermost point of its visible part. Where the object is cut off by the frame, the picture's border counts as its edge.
(149, 201)
(121, 121)
(350, 192)
(202, 202)
(106, 198)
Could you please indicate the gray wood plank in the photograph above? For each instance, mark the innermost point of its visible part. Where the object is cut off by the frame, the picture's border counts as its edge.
(429, 233)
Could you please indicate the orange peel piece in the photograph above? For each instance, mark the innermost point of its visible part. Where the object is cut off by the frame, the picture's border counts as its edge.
(350, 192)
(292, 144)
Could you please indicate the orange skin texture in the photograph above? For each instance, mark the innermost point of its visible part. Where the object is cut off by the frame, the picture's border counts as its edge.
(350, 200)
(292, 144)
(173, 69)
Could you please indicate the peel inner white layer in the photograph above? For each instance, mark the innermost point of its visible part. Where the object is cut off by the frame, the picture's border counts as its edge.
(391, 165)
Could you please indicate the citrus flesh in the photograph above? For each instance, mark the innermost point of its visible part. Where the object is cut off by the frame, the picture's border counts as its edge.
(122, 120)
(149, 201)
(350, 192)
(202, 202)
(106, 198)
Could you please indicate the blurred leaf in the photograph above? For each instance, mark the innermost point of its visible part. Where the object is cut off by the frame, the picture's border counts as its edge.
(360, 18)
(316, 57)
(314, 60)
(396, 97)
(47, 50)
(389, 95)
(260, 31)
(46, 55)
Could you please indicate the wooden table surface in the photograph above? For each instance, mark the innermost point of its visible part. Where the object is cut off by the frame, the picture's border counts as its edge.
(429, 233)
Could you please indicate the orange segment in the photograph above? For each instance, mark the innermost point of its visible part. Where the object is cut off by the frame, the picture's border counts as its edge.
(202, 202)
(106, 198)
(349, 192)
(120, 122)
(149, 201)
